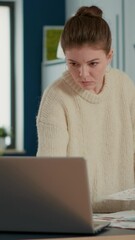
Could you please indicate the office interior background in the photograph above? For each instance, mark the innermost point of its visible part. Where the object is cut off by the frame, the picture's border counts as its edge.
(34, 16)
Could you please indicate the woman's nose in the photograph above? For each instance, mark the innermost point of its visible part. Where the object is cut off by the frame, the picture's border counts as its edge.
(84, 71)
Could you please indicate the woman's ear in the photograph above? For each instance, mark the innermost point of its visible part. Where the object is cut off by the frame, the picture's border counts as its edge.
(110, 56)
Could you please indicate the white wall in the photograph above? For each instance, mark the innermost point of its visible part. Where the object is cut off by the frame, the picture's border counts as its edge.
(51, 72)
(130, 38)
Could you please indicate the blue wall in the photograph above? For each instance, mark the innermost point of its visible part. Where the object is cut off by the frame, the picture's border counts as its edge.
(36, 15)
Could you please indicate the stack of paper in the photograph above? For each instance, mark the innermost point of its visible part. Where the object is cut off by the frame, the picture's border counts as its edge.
(123, 219)
(127, 195)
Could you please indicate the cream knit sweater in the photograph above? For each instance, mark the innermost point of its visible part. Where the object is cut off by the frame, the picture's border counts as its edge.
(76, 122)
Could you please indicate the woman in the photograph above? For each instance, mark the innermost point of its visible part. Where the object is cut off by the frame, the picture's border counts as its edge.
(90, 110)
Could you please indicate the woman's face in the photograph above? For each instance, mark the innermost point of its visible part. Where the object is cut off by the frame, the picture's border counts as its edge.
(87, 66)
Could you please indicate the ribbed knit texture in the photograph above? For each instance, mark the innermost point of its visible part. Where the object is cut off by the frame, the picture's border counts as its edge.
(99, 127)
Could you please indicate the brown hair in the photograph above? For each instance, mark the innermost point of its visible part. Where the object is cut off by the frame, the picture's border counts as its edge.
(87, 27)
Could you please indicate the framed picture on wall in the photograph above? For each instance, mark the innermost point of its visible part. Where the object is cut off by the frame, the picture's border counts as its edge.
(51, 38)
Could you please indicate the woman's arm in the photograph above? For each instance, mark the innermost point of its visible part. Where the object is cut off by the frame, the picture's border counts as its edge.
(52, 128)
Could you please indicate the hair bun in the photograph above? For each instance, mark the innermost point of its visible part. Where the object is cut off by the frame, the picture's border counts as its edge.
(89, 11)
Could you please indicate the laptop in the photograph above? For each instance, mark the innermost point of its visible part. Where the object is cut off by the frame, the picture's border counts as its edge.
(46, 194)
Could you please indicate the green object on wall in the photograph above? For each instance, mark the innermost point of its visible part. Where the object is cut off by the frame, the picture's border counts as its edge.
(50, 42)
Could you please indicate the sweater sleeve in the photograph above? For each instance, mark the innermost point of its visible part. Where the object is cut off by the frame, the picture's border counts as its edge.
(133, 124)
(130, 89)
(52, 127)
(132, 110)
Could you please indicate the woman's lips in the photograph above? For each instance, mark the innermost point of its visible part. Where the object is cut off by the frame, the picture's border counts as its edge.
(88, 83)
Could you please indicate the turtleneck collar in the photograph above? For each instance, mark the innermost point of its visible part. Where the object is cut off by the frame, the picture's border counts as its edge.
(86, 94)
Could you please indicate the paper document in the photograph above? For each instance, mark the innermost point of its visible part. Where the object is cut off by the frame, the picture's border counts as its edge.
(122, 219)
(127, 195)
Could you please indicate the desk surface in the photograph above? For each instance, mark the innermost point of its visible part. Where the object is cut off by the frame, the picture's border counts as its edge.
(108, 234)
(117, 237)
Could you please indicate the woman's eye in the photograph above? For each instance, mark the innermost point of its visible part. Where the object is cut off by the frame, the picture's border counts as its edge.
(74, 64)
(93, 64)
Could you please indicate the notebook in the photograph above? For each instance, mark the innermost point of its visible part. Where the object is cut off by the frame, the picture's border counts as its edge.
(46, 194)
